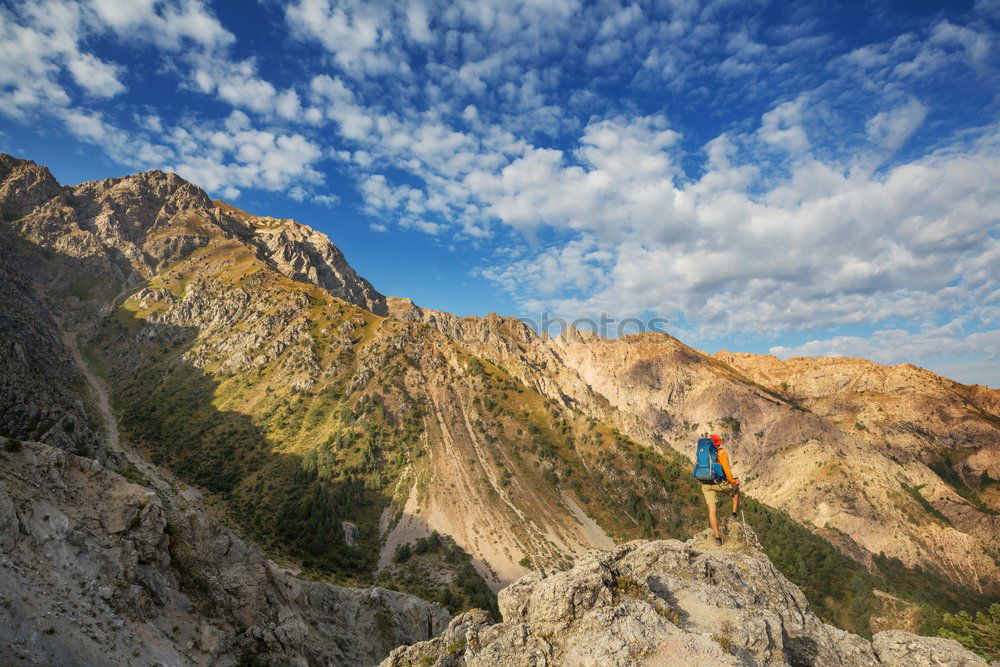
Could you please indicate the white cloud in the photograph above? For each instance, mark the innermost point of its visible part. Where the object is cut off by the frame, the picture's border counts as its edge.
(895, 346)
(247, 158)
(168, 24)
(358, 34)
(86, 126)
(238, 84)
(97, 77)
(823, 246)
(782, 128)
(976, 44)
(891, 129)
(967, 357)
(329, 201)
(40, 41)
(417, 23)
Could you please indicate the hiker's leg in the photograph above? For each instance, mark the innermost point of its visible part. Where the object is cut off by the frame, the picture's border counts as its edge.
(713, 520)
(736, 500)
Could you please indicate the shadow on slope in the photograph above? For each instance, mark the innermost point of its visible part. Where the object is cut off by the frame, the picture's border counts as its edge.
(294, 504)
(316, 503)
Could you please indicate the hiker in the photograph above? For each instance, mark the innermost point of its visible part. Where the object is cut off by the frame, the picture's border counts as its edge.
(712, 469)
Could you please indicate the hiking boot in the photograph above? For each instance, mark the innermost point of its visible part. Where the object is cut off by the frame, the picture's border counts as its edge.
(718, 541)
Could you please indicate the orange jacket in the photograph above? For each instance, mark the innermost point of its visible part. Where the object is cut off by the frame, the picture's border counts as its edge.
(724, 462)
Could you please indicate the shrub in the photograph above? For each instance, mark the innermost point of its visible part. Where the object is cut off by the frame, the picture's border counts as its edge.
(979, 633)
(402, 553)
(13, 445)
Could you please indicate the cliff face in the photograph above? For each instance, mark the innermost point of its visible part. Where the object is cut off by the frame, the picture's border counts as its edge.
(99, 569)
(666, 603)
(240, 358)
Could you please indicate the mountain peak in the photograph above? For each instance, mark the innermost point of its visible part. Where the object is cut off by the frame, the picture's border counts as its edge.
(23, 185)
(133, 225)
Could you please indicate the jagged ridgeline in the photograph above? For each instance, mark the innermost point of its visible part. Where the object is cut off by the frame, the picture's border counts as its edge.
(339, 428)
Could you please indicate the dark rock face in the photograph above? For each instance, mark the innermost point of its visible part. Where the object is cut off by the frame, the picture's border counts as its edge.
(40, 388)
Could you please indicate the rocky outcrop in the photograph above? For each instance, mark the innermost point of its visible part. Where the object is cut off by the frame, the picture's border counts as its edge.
(23, 186)
(127, 229)
(901, 649)
(96, 569)
(301, 253)
(665, 603)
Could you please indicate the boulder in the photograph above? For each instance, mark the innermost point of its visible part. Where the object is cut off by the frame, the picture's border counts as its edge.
(665, 603)
(902, 649)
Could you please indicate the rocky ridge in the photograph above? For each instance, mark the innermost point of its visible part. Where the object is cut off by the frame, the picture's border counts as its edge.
(127, 229)
(666, 603)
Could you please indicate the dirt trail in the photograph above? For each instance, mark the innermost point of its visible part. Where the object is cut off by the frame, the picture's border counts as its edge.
(98, 390)
(162, 478)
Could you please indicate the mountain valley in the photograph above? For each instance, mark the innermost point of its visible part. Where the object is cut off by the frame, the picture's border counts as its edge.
(264, 456)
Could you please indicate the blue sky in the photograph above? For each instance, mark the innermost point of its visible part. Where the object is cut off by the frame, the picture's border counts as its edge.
(794, 178)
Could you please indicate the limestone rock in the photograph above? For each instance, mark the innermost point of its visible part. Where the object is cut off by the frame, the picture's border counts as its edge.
(665, 603)
(901, 649)
(123, 575)
(351, 533)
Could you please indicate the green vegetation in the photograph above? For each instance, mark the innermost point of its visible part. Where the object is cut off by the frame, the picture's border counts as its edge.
(476, 368)
(945, 470)
(732, 424)
(841, 589)
(290, 501)
(435, 568)
(132, 474)
(12, 445)
(290, 465)
(979, 633)
(629, 588)
(914, 492)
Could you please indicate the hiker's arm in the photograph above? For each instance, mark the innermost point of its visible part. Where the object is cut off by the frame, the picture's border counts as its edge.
(724, 462)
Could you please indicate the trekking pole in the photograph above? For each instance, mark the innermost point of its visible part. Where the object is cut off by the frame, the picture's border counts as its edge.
(743, 518)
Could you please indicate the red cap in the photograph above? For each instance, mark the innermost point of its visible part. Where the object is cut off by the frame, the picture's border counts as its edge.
(716, 439)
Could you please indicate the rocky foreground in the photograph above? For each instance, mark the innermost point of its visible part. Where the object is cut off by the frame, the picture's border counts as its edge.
(96, 569)
(666, 603)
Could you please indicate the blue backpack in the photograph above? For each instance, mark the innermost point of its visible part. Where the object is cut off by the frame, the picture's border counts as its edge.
(706, 462)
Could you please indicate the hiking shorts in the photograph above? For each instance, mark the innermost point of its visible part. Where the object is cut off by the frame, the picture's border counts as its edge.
(713, 490)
